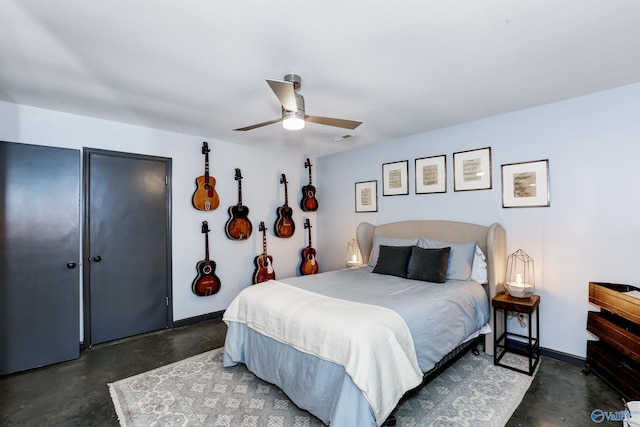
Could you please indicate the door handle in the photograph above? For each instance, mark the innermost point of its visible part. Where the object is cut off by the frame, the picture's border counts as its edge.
(71, 265)
(96, 258)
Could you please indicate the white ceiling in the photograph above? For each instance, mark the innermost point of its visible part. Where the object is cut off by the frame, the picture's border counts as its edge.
(402, 67)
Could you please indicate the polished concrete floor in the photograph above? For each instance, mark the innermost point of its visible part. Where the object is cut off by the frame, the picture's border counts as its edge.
(75, 393)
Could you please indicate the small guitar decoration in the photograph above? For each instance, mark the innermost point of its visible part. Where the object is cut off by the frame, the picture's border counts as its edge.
(205, 197)
(309, 265)
(308, 202)
(238, 227)
(206, 283)
(284, 226)
(264, 263)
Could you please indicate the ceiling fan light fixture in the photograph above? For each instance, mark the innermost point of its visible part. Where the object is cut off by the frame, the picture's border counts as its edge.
(291, 120)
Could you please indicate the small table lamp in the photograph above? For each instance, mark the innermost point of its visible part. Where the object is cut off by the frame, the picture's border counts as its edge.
(354, 259)
(520, 279)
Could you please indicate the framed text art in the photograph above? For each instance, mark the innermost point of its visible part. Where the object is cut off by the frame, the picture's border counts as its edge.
(472, 170)
(367, 196)
(431, 175)
(525, 184)
(395, 178)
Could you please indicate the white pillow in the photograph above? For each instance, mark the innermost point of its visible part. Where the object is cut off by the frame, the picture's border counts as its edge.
(388, 241)
(479, 267)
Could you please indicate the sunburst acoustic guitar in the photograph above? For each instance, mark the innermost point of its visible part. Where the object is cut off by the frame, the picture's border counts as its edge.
(206, 282)
(308, 264)
(238, 226)
(264, 262)
(309, 203)
(284, 225)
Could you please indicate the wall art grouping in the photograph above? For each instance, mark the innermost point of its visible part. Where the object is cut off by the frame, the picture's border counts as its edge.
(524, 184)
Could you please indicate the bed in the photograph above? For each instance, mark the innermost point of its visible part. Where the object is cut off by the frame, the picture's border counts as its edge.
(347, 345)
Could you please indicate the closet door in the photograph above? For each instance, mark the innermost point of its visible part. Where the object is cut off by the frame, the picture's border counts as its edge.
(127, 268)
(39, 255)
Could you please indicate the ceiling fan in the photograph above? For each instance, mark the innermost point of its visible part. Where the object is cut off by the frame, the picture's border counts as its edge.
(293, 115)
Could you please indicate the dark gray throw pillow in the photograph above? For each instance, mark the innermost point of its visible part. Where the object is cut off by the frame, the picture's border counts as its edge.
(393, 260)
(429, 265)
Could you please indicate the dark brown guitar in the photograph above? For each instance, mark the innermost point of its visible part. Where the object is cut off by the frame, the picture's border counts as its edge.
(308, 202)
(308, 265)
(206, 283)
(284, 226)
(205, 198)
(264, 263)
(238, 227)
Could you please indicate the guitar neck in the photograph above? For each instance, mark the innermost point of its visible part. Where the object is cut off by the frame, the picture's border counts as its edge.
(307, 225)
(240, 192)
(264, 242)
(308, 166)
(286, 196)
(206, 167)
(206, 247)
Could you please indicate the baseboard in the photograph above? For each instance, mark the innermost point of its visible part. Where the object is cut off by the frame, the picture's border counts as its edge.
(198, 319)
(552, 354)
(563, 357)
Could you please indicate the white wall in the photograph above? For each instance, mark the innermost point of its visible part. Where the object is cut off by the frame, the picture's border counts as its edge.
(262, 193)
(589, 233)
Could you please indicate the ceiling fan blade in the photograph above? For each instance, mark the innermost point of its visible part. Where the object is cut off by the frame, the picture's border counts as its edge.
(270, 122)
(341, 123)
(285, 93)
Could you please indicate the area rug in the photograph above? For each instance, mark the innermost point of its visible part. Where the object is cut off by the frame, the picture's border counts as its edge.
(199, 391)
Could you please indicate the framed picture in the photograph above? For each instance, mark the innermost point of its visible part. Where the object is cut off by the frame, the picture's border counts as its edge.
(367, 196)
(472, 170)
(526, 184)
(431, 175)
(395, 178)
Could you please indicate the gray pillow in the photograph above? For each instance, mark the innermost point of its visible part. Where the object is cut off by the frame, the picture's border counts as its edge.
(393, 260)
(460, 257)
(429, 265)
(388, 241)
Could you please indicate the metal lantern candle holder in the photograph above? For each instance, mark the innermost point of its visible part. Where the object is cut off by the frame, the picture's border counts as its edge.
(354, 258)
(520, 279)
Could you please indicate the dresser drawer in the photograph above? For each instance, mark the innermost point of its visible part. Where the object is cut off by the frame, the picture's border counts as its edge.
(612, 297)
(617, 332)
(616, 369)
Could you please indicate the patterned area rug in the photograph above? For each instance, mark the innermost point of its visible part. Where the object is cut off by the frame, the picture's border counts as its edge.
(200, 391)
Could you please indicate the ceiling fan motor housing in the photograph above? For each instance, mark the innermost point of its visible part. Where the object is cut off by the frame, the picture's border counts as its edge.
(295, 79)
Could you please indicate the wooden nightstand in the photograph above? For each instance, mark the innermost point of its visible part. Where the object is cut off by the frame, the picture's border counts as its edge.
(502, 343)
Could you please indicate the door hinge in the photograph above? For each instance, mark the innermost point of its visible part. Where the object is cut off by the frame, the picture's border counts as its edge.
(167, 298)
(166, 180)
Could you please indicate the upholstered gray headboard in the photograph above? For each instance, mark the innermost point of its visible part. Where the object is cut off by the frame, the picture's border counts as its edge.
(492, 240)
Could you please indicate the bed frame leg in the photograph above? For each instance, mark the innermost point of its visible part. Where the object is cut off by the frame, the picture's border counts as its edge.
(391, 421)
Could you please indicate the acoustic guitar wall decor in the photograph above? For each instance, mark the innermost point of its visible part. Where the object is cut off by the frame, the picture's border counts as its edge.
(284, 225)
(206, 282)
(238, 227)
(264, 262)
(205, 198)
(308, 203)
(308, 264)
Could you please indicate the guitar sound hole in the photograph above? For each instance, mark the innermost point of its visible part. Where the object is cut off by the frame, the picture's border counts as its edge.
(207, 269)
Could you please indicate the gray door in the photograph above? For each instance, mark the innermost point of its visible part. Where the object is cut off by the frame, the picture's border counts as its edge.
(39, 252)
(127, 269)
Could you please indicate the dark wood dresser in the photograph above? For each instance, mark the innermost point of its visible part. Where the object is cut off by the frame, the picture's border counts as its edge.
(616, 356)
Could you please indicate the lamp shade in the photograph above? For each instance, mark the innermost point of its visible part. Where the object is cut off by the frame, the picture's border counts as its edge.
(520, 279)
(354, 258)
